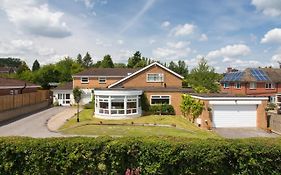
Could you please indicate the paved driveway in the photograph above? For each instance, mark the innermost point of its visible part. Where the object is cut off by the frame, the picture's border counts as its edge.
(233, 133)
(33, 126)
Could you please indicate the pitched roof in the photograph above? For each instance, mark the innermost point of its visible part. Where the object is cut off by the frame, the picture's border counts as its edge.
(254, 75)
(114, 72)
(15, 83)
(65, 86)
(143, 69)
(6, 69)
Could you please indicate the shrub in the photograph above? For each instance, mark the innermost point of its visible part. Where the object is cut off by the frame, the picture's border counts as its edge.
(89, 105)
(162, 109)
(152, 155)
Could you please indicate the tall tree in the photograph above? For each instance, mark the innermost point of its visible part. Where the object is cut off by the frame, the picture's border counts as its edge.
(132, 61)
(120, 65)
(180, 68)
(87, 60)
(23, 67)
(107, 62)
(204, 77)
(35, 66)
(67, 67)
(47, 74)
(79, 59)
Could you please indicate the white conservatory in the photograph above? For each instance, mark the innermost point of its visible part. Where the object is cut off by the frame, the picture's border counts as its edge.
(117, 104)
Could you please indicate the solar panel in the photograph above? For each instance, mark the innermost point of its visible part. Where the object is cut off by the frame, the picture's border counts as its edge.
(233, 76)
(259, 75)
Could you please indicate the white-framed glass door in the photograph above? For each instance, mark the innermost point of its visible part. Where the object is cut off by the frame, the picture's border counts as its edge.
(64, 98)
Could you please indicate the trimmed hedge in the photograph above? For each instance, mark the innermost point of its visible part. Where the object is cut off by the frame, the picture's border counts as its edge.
(163, 109)
(106, 155)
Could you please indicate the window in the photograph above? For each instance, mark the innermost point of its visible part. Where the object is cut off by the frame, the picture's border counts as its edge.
(225, 85)
(131, 104)
(237, 85)
(158, 77)
(84, 80)
(253, 85)
(269, 86)
(102, 80)
(160, 99)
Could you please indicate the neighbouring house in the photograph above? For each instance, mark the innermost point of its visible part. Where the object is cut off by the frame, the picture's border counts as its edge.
(117, 91)
(254, 81)
(228, 111)
(62, 94)
(10, 86)
(7, 70)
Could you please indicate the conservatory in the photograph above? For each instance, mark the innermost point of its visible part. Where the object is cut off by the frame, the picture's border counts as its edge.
(117, 104)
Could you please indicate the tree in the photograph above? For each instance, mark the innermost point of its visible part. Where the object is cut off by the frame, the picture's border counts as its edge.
(120, 65)
(47, 74)
(180, 68)
(35, 66)
(79, 59)
(107, 62)
(10, 62)
(77, 93)
(87, 61)
(23, 67)
(204, 76)
(67, 67)
(132, 61)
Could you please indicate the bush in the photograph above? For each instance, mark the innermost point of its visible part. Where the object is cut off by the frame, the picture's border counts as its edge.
(163, 109)
(89, 105)
(153, 155)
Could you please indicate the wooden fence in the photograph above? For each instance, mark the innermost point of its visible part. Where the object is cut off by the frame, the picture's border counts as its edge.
(8, 102)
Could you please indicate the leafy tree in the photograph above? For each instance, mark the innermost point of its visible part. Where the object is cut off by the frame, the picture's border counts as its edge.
(77, 93)
(10, 62)
(87, 61)
(35, 66)
(23, 67)
(47, 74)
(79, 59)
(120, 65)
(97, 64)
(191, 108)
(67, 67)
(107, 62)
(132, 61)
(180, 68)
(204, 76)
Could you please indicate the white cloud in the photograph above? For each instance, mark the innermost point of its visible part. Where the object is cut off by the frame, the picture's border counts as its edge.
(183, 30)
(152, 41)
(91, 3)
(203, 37)
(165, 24)
(276, 58)
(272, 36)
(268, 7)
(172, 50)
(120, 42)
(230, 51)
(37, 19)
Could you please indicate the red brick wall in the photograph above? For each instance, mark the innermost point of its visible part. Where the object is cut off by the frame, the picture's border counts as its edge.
(94, 82)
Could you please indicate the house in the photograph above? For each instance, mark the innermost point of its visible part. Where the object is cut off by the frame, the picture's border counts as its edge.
(253, 81)
(7, 70)
(232, 111)
(10, 86)
(117, 91)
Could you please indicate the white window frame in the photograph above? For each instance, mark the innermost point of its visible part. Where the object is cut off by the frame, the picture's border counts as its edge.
(84, 82)
(224, 85)
(236, 85)
(102, 80)
(269, 86)
(160, 98)
(253, 85)
(160, 76)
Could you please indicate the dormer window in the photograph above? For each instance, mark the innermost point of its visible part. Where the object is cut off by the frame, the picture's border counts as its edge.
(102, 80)
(155, 77)
(84, 80)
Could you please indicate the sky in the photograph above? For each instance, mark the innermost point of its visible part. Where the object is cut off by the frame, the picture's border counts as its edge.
(228, 33)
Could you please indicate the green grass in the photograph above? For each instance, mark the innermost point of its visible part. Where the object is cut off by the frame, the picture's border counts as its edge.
(183, 127)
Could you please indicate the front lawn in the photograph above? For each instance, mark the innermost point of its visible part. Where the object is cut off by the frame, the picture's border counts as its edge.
(89, 125)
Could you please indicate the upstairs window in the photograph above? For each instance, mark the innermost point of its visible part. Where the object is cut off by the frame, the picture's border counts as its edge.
(84, 80)
(102, 80)
(237, 86)
(253, 85)
(269, 86)
(225, 85)
(155, 77)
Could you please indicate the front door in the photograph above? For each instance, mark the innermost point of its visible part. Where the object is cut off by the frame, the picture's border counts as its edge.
(64, 99)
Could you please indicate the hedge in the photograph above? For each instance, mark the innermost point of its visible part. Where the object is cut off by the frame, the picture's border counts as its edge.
(162, 109)
(105, 155)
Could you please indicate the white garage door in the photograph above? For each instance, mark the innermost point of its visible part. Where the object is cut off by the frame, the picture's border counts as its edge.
(234, 116)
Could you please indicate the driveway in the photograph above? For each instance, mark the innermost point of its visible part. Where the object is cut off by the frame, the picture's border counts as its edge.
(34, 125)
(234, 133)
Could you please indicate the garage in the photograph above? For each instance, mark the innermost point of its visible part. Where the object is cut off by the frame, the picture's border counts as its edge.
(231, 111)
(234, 116)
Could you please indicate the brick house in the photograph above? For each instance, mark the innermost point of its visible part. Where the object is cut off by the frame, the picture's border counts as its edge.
(7, 70)
(9, 86)
(253, 81)
(117, 91)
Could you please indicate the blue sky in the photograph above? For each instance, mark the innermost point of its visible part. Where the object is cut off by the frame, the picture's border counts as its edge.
(240, 33)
